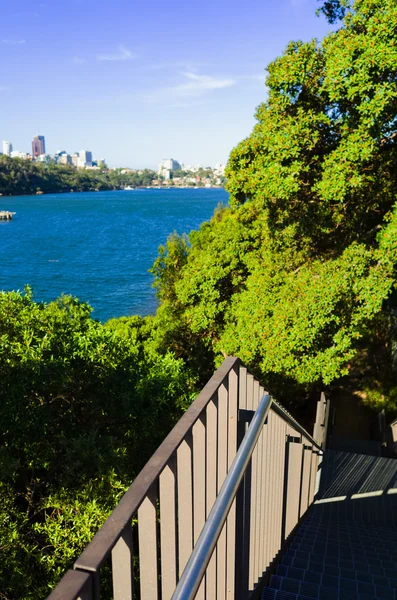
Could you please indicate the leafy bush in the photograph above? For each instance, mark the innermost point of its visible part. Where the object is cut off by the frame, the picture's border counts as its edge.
(83, 407)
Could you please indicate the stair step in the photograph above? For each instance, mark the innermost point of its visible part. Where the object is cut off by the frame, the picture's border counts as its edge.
(328, 589)
(328, 575)
(344, 559)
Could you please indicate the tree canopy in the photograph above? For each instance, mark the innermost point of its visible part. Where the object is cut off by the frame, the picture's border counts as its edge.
(297, 274)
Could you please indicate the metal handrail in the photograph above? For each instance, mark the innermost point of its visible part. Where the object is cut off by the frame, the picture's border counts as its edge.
(201, 555)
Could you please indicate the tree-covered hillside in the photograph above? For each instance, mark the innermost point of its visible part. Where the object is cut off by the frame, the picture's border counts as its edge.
(19, 176)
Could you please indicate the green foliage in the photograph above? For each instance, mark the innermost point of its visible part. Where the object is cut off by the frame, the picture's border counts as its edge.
(18, 176)
(83, 406)
(293, 277)
(321, 159)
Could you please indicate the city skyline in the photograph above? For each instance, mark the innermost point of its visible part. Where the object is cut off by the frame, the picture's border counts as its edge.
(138, 84)
(84, 158)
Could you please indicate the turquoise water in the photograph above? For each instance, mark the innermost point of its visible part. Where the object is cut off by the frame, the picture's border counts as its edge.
(97, 246)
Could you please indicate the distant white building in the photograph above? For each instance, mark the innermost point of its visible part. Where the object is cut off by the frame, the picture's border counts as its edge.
(220, 169)
(17, 154)
(64, 159)
(7, 148)
(75, 159)
(193, 168)
(85, 159)
(44, 158)
(168, 165)
(165, 173)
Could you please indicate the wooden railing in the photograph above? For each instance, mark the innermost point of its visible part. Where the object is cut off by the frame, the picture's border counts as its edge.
(149, 537)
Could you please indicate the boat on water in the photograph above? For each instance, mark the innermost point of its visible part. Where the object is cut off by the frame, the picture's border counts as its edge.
(129, 188)
(6, 215)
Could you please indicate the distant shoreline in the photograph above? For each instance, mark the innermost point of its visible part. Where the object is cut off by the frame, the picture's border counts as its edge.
(139, 187)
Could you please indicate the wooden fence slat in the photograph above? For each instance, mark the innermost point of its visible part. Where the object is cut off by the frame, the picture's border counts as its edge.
(222, 471)
(293, 491)
(231, 453)
(199, 488)
(252, 557)
(122, 567)
(258, 488)
(304, 499)
(211, 488)
(185, 503)
(242, 388)
(265, 481)
(147, 534)
(250, 391)
(168, 529)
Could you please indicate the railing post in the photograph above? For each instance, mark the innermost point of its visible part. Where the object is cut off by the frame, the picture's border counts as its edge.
(321, 423)
(327, 406)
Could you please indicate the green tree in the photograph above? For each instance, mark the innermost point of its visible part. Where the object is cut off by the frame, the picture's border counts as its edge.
(295, 275)
(82, 408)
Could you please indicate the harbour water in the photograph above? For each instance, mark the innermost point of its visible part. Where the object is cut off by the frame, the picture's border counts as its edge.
(97, 246)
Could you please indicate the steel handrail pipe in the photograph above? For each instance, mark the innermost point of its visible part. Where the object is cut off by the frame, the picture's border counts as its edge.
(282, 412)
(194, 571)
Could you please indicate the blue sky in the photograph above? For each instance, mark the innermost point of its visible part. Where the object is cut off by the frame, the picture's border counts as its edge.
(136, 82)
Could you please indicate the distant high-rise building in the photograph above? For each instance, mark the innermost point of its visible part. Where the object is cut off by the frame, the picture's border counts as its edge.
(75, 159)
(38, 146)
(85, 158)
(167, 165)
(7, 148)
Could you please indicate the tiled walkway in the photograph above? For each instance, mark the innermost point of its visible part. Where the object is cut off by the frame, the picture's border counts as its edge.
(346, 546)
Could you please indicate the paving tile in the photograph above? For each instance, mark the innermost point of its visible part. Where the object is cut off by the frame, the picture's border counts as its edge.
(348, 584)
(281, 595)
(275, 582)
(312, 577)
(309, 589)
(290, 585)
(384, 592)
(330, 581)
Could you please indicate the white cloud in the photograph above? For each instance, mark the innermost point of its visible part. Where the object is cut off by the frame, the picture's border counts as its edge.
(260, 78)
(14, 42)
(193, 87)
(122, 54)
(199, 84)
